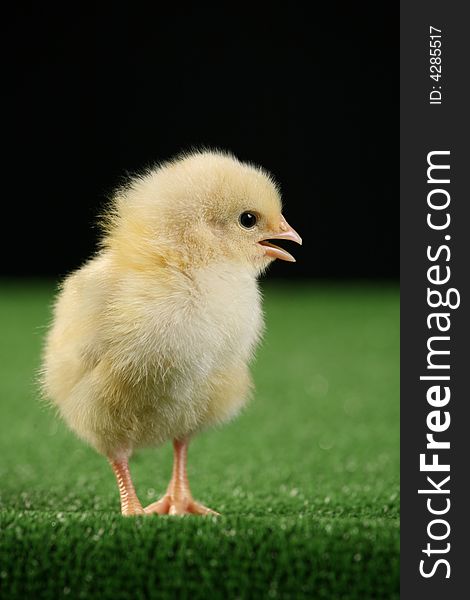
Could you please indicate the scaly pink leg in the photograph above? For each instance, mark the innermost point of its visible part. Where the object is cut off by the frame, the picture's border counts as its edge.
(178, 499)
(130, 504)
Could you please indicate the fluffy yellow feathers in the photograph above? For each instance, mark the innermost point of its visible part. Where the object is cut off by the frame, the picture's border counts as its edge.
(151, 339)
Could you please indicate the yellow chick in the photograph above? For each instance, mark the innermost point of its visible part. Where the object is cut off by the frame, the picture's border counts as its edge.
(151, 339)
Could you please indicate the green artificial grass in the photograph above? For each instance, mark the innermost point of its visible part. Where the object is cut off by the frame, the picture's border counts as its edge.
(307, 478)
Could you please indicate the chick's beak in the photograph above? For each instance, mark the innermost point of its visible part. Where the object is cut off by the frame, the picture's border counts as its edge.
(285, 232)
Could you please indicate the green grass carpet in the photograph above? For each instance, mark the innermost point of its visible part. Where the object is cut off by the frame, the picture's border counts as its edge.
(307, 478)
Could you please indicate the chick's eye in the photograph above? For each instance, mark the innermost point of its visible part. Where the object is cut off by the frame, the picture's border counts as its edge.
(247, 220)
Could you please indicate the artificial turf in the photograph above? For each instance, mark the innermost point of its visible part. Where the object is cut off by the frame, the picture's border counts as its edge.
(307, 479)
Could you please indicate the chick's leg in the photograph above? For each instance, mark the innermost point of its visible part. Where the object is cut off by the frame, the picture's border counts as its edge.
(178, 499)
(130, 504)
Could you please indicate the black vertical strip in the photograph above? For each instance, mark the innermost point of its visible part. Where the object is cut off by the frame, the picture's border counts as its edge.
(426, 128)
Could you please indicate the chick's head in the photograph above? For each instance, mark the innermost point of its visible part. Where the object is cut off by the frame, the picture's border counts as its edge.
(200, 208)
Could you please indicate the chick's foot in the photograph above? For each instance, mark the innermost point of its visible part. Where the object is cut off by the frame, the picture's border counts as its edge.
(169, 505)
(178, 499)
(130, 504)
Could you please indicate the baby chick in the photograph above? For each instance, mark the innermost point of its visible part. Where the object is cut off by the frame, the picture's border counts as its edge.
(151, 338)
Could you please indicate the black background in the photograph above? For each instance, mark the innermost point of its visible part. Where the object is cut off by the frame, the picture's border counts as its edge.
(311, 95)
